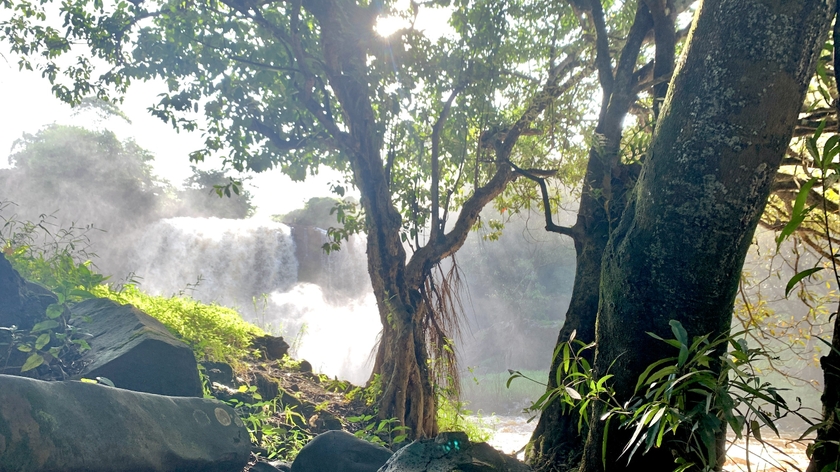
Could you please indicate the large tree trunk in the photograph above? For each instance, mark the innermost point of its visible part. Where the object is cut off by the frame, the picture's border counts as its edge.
(826, 455)
(557, 444)
(679, 248)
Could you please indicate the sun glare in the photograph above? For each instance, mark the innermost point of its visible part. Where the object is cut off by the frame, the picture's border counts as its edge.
(388, 25)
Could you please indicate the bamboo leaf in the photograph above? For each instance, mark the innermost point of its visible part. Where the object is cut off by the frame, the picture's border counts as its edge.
(796, 278)
(679, 332)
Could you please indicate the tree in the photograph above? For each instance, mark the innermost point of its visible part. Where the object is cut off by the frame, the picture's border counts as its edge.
(203, 195)
(426, 130)
(610, 173)
(705, 181)
(727, 140)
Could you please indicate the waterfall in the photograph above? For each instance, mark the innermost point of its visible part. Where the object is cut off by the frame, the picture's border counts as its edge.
(278, 277)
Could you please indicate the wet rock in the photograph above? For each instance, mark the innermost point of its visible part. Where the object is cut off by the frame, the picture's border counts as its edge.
(219, 372)
(305, 366)
(267, 387)
(22, 303)
(136, 351)
(263, 467)
(451, 451)
(325, 421)
(340, 451)
(272, 347)
(282, 466)
(82, 427)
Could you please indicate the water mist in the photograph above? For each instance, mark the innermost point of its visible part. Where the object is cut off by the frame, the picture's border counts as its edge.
(277, 276)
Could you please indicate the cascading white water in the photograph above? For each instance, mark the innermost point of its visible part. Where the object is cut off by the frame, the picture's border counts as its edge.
(322, 305)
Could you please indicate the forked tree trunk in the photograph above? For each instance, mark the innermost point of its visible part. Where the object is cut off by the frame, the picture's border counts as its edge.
(557, 443)
(679, 248)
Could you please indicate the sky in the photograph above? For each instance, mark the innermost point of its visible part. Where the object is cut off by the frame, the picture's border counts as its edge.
(28, 105)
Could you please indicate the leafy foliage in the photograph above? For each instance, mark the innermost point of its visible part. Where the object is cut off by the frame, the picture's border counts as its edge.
(271, 425)
(53, 256)
(683, 402)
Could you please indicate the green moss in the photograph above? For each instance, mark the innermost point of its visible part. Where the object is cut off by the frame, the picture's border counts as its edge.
(214, 332)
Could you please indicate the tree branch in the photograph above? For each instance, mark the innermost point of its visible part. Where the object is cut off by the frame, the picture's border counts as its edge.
(428, 255)
(435, 190)
(665, 39)
(603, 59)
(550, 226)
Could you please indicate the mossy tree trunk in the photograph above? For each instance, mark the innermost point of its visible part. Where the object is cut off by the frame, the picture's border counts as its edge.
(556, 443)
(678, 250)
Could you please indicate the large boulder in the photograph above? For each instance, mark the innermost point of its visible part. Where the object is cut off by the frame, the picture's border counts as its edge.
(448, 452)
(135, 351)
(82, 427)
(22, 303)
(340, 451)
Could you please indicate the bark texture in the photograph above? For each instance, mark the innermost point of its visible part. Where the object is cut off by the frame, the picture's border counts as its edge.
(679, 248)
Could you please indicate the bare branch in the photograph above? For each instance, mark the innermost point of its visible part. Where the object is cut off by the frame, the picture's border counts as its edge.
(538, 176)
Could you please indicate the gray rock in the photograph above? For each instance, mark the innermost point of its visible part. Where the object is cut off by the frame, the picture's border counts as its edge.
(263, 467)
(219, 372)
(83, 427)
(271, 347)
(282, 466)
(340, 451)
(448, 452)
(136, 351)
(22, 303)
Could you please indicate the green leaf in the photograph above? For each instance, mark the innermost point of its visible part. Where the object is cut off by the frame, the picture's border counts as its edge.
(105, 381)
(756, 430)
(81, 294)
(811, 145)
(683, 355)
(798, 213)
(830, 150)
(679, 332)
(42, 341)
(796, 278)
(55, 310)
(33, 361)
(44, 326)
(648, 370)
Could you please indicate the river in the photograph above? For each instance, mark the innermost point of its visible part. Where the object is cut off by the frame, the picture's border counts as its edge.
(511, 433)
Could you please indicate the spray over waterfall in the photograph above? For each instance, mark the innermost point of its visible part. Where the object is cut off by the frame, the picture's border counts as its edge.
(277, 276)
